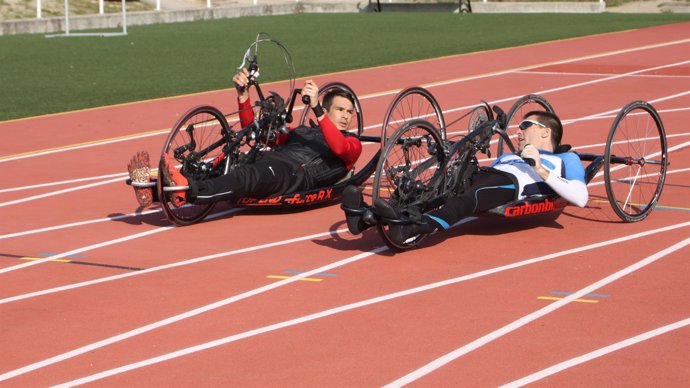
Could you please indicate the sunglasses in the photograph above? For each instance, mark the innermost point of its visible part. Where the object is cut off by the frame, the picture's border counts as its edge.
(528, 123)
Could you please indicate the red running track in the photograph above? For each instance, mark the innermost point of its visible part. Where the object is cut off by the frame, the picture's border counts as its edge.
(117, 296)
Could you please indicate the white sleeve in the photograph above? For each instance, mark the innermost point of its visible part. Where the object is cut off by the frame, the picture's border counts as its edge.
(574, 191)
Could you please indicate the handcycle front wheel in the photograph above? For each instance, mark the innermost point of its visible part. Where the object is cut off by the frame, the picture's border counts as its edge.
(635, 161)
(192, 137)
(407, 172)
(524, 105)
(409, 104)
(308, 118)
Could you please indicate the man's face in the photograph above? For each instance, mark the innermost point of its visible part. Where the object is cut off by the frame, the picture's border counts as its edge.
(531, 132)
(341, 112)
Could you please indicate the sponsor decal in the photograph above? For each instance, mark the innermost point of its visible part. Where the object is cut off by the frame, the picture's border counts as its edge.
(544, 206)
(296, 199)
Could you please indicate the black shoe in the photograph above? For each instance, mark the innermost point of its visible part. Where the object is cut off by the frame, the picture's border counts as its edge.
(352, 198)
(400, 233)
(397, 233)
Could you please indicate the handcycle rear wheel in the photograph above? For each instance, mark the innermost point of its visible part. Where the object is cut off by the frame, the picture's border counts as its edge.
(522, 106)
(409, 104)
(406, 170)
(635, 161)
(208, 126)
(308, 118)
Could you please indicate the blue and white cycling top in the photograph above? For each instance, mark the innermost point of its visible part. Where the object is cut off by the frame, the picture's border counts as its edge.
(566, 176)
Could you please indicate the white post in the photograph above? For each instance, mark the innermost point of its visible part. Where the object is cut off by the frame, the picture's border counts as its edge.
(66, 17)
(38, 9)
(100, 7)
(208, 3)
(124, 17)
(158, 5)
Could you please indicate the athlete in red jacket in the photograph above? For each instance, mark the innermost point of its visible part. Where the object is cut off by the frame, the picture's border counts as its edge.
(302, 159)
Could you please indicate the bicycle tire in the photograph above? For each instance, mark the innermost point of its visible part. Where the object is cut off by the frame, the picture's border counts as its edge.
(409, 104)
(209, 126)
(397, 180)
(636, 143)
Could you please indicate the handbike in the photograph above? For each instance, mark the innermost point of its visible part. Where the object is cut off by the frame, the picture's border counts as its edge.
(205, 145)
(419, 167)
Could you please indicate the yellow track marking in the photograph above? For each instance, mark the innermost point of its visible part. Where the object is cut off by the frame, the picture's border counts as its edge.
(575, 300)
(42, 258)
(288, 277)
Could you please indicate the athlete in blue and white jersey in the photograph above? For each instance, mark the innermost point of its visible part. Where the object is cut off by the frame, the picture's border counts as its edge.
(509, 178)
(566, 176)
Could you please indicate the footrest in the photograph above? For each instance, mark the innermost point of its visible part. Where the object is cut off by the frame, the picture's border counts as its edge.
(175, 188)
(141, 184)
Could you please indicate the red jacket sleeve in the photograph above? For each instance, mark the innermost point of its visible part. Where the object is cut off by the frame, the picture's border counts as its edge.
(347, 148)
(246, 113)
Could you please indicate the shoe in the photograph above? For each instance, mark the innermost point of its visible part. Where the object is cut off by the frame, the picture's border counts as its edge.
(352, 198)
(173, 177)
(397, 233)
(140, 172)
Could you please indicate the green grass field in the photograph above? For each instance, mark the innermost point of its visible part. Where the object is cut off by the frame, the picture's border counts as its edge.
(40, 76)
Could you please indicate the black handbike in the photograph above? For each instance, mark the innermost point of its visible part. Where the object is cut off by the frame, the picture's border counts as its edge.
(205, 145)
(420, 166)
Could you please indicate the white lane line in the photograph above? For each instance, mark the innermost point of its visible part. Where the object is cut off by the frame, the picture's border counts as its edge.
(79, 223)
(65, 182)
(479, 342)
(73, 147)
(167, 266)
(558, 73)
(85, 249)
(105, 244)
(185, 315)
(597, 353)
(58, 192)
(310, 317)
(370, 96)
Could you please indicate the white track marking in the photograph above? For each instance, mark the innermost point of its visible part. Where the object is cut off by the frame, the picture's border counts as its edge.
(479, 342)
(132, 333)
(382, 94)
(84, 249)
(73, 147)
(65, 182)
(559, 73)
(104, 244)
(58, 192)
(597, 353)
(168, 266)
(80, 223)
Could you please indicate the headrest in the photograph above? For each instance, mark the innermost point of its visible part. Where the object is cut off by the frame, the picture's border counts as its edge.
(562, 148)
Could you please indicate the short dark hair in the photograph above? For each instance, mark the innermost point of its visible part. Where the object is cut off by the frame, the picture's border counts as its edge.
(331, 94)
(550, 120)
